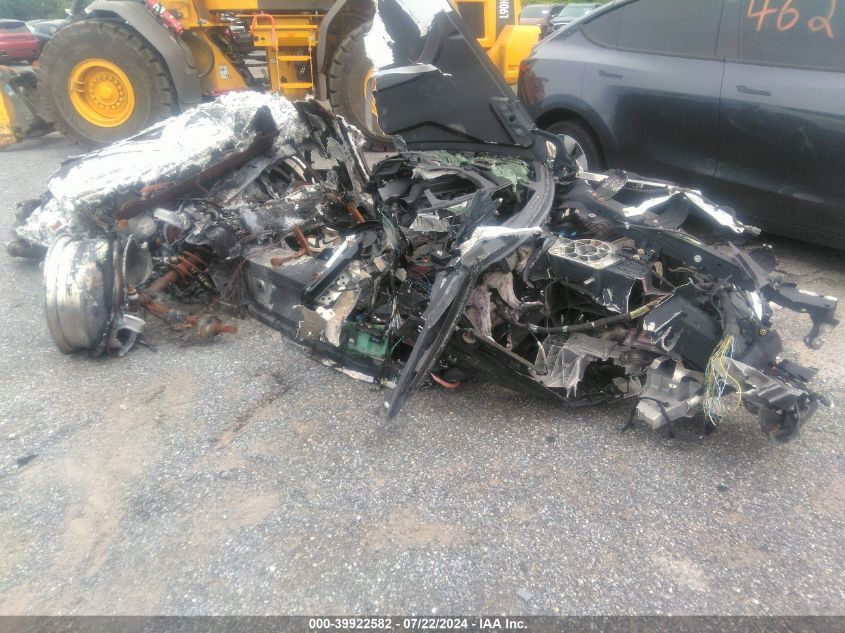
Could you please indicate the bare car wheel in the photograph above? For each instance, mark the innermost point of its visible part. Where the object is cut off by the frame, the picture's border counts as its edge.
(580, 145)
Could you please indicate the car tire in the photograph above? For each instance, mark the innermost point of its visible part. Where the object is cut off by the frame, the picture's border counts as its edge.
(579, 138)
(121, 50)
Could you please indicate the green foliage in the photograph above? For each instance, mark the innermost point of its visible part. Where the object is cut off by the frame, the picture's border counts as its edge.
(33, 9)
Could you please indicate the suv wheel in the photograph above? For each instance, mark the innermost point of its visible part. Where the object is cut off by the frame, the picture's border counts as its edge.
(580, 143)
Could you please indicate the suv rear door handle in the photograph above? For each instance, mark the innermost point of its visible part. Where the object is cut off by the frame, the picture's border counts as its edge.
(607, 75)
(751, 91)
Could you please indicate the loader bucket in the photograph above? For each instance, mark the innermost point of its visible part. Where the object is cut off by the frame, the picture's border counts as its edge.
(7, 134)
(20, 117)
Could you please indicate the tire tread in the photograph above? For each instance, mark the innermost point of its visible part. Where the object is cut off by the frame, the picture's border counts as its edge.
(162, 98)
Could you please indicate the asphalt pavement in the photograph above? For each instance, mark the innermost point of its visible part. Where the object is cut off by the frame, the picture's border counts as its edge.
(242, 476)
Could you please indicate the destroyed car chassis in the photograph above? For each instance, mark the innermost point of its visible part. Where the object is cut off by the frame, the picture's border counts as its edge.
(493, 261)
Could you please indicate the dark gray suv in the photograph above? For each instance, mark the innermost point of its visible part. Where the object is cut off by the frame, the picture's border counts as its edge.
(744, 99)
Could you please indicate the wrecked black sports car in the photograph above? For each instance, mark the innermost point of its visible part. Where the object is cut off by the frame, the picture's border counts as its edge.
(477, 251)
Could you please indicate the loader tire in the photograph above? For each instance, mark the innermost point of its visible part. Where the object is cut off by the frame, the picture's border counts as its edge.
(347, 80)
(101, 82)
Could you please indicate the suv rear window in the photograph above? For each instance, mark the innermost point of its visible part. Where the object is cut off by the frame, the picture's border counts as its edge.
(535, 11)
(801, 33)
(576, 10)
(688, 28)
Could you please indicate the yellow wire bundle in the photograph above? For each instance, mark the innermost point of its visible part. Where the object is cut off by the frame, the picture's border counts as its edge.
(716, 381)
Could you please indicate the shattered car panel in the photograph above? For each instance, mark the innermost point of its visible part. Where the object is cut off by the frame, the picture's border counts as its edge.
(476, 253)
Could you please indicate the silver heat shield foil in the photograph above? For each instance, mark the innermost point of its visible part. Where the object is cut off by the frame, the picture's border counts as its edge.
(95, 185)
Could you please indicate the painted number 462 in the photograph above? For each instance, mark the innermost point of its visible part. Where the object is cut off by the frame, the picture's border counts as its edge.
(788, 17)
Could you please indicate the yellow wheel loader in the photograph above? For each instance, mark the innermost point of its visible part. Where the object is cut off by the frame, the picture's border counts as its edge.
(120, 65)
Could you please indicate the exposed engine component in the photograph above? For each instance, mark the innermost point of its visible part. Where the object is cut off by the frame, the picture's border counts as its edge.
(591, 253)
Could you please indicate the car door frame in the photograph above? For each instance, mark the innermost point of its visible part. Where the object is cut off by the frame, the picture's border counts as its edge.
(729, 42)
(609, 138)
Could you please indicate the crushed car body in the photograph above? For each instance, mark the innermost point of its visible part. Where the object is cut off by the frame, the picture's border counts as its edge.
(476, 252)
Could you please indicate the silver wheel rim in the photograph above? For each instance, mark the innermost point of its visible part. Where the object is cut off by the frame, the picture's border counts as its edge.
(575, 151)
